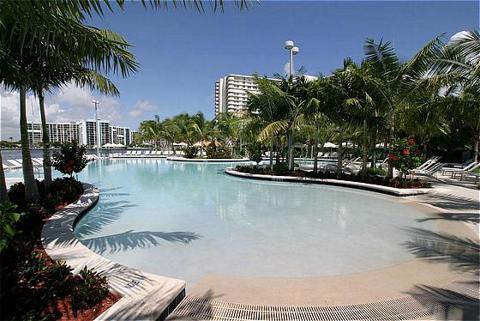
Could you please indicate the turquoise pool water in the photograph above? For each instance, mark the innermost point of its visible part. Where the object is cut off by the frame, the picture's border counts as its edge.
(185, 220)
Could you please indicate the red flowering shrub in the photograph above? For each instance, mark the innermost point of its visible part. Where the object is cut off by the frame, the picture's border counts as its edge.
(405, 155)
(70, 159)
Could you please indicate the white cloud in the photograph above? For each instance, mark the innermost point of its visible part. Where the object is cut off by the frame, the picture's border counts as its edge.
(70, 103)
(141, 107)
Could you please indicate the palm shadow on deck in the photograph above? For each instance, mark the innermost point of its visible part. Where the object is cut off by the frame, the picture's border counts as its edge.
(461, 299)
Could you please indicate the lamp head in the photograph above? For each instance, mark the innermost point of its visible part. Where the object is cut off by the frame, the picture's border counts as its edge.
(295, 50)
(289, 44)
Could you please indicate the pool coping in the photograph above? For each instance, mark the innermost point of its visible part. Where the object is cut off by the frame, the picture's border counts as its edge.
(401, 192)
(144, 296)
(208, 160)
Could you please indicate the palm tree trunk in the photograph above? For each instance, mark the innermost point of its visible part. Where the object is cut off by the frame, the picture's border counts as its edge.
(315, 154)
(390, 141)
(3, 185)
(340, 153)
(271, 154)
(291, 149)
(365, 149)
(31, 190)
(476, 147)
(47, 170)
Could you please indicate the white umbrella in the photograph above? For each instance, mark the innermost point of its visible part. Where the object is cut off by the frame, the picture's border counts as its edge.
(180, 144)
(330, 145)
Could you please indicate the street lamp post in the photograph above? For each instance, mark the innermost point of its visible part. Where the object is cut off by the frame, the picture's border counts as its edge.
(290, 46)
(97, 128)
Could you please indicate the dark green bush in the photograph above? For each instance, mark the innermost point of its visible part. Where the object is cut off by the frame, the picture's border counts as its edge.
(254, 151)
(8, 220)
(376, 171)
(190, 151)
(218, 152)
(90, 289)
(71, 158)
(280, 169)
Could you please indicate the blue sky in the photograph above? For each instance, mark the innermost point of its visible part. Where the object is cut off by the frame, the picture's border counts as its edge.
(183, 52)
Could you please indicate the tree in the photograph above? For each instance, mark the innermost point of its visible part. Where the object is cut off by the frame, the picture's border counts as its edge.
(291, 97)
(104, 51)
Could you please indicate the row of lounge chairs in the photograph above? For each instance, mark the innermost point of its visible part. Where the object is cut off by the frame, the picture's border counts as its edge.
(17, 163)
(434, 166)
(146, 154)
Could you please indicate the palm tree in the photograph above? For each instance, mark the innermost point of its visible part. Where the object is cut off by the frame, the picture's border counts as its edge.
(291, 97)
(457, 68)
(19, 69)
(202, 127)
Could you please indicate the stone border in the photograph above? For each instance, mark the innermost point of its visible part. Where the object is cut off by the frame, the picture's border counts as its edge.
(328, 181)
(144, 296)
(207, 160)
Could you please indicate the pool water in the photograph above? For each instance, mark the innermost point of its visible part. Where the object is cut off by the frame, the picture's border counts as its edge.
(184, 220)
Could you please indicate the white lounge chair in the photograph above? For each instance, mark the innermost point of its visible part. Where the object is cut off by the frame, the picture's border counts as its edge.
(15, 163)
(453, 170)
(429, 170)
(428, 163)
(467, 173)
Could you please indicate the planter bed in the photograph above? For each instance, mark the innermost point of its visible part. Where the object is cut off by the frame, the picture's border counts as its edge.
(329, 181)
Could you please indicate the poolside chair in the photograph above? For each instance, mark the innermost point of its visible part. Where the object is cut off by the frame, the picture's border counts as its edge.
(128, 153)
(14, 163)
(467, 173)
(429, 170)
(453, 170)
(428, 163)
(147, 153)
(37, 162)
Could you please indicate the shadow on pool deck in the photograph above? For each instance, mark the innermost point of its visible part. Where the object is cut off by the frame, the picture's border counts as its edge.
(461, 254)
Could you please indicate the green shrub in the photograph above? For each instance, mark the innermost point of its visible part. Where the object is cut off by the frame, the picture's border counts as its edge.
(71, 158)
(190, 151)
(218, 152)
(8, 219)
(405, 155)
(254, 151)
(90, 290)
(280, 169)
(61, 192)
(376, 171)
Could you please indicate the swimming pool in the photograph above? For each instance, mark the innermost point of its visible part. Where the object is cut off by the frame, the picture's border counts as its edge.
(185, 220)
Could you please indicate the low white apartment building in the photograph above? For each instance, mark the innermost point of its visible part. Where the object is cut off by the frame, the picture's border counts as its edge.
(57, 132)
(84, 132)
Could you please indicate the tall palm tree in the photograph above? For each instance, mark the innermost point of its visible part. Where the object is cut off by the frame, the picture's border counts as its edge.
(44, 77)
(108, 53)
(291, 97)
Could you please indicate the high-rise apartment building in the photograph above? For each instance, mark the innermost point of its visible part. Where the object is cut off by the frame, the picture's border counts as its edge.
(57, 132)
(84, 132)
(231, 93)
